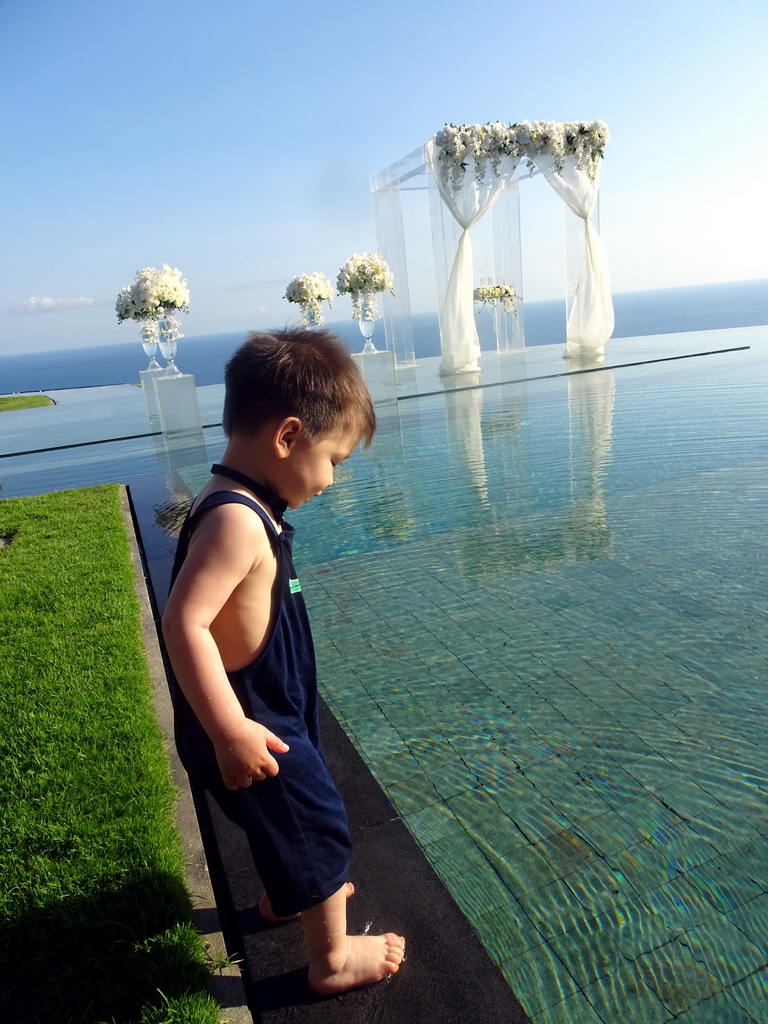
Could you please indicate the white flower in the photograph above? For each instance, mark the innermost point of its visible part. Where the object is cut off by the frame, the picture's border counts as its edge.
(486, 144)
(309, 290)
(154, 293)
(493, 293)
(365, 275)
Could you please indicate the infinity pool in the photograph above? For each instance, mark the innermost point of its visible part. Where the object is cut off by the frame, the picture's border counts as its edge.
(540, 611)
(541, 614)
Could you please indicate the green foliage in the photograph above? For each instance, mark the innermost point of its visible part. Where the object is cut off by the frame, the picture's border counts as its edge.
(10, 402)
(97, 920)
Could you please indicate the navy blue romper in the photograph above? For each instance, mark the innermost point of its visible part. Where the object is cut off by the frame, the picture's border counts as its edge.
(295, 821)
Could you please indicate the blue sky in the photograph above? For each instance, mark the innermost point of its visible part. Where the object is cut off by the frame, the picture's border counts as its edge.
(236, 141)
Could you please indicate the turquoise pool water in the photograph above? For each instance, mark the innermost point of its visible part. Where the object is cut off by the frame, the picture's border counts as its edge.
(540, 611)
(541, 614)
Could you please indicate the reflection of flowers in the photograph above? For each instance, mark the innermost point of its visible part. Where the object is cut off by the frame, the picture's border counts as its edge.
(490, 294)
(365, 275)
(309, 290)
(153, 294)
(490, 143)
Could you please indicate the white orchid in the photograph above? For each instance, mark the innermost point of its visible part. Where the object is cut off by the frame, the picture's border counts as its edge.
(365, 275)
(490, 143)
(153, 294)
(492, 293)
(309, 291)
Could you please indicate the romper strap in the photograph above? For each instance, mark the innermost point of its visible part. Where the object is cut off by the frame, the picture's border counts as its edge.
(276, 503)
(233, 498)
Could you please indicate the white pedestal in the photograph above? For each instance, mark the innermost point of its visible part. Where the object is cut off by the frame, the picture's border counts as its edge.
(378, 369)
(177, 404)
(147, 378)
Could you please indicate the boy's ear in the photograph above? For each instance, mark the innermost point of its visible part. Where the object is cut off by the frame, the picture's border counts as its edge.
(287, 433)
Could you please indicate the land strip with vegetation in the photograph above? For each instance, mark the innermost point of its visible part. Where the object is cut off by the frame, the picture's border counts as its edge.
(96, 917)
(10, 403)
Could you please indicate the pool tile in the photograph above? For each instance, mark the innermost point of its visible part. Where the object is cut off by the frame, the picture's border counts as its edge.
(679, 980)
(414, 794)
(588, 952)
(506, 931)
(538, 978)
(553, 909)
(455, 854)
(573, 1010)
(609, 833)
(644, 865)
(724, 950)
(680, 904)
(752, 920)
(431, 823)
(723, 885)
(624, 995)
(635, 928)
(752, 995)
(452, 779)
(478, 891)
(524, 869)
(720, 1008)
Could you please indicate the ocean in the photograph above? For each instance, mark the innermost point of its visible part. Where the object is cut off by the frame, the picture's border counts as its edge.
(664, 311)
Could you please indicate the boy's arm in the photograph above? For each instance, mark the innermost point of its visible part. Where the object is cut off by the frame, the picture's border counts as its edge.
(220, 557)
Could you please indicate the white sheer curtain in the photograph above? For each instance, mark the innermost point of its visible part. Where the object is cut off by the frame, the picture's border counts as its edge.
(459, 342)
(591, 320)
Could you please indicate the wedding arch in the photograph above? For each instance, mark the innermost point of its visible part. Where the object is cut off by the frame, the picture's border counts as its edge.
(469, 170)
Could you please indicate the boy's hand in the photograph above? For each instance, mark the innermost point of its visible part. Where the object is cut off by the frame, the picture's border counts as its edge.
(246, 758)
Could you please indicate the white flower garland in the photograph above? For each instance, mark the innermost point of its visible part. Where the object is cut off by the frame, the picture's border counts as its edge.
(365, 275)
(309, 290)
(489, 143)
(493, 293)
(153, 295)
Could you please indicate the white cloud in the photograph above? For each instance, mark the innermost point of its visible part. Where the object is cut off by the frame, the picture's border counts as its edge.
(40, 304)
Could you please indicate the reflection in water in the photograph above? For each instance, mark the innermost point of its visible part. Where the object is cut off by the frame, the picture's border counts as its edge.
(463, 411)
(188, 460)
(590, 406)
(170, 514)
(535, 539)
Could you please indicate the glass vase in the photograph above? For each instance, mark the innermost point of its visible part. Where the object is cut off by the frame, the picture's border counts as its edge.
(149, 342)
(369, 314)
(170, 332)
(311, 317)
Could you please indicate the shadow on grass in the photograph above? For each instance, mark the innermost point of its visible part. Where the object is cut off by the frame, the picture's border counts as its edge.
(122, 954)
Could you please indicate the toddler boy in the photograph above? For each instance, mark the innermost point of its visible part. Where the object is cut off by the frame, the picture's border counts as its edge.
(238, 637)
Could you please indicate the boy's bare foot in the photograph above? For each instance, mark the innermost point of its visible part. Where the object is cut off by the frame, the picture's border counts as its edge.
(268, 914)
(367, 959)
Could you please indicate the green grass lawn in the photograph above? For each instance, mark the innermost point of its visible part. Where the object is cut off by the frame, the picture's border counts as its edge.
(96, 918)
(10, 402)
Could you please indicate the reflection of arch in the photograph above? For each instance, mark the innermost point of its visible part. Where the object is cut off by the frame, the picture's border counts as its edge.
(558, 537)
(463, 411)
(471, 183)
(590, 409)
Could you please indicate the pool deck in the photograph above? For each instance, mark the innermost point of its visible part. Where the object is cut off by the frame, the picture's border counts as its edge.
(435, 984)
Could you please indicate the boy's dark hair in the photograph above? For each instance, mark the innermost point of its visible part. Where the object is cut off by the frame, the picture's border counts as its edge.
(309, 374)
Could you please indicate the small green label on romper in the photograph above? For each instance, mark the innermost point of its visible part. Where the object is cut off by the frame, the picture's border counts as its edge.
(295, 586)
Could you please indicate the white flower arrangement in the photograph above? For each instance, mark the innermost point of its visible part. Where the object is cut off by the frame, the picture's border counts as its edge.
(309, 290)
(492, 293)
(489, 143)
(153, 295)
(365, 275)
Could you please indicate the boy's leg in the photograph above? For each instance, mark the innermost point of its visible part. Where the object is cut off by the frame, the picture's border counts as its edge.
(338, 961)
(268, 914)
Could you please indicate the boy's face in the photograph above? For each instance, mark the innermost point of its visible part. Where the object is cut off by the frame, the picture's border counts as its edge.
(308, 470)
